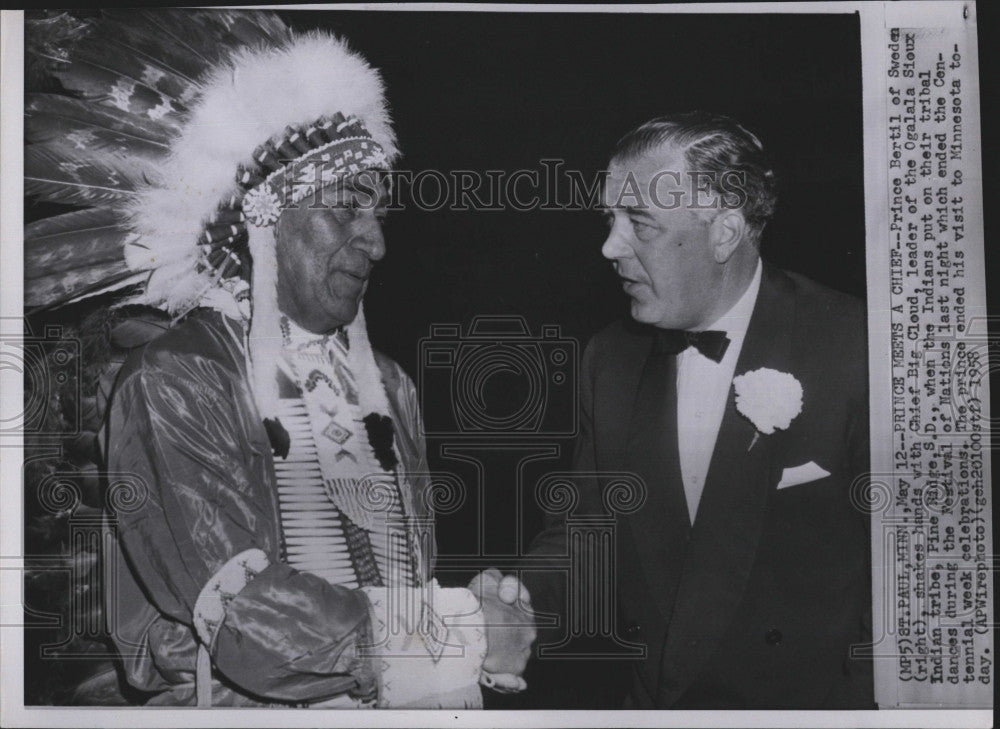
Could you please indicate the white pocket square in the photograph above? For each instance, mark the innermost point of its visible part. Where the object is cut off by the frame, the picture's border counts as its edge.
(801, 474)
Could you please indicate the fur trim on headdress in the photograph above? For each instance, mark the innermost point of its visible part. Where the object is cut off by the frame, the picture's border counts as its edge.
(242, 104)
(264, 338)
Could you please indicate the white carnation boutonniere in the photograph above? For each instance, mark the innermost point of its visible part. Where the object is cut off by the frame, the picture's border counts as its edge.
(769, 399)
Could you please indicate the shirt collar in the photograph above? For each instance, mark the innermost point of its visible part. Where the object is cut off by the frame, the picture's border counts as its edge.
(737, 319)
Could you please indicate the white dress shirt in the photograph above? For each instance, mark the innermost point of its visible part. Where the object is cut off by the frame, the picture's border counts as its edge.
(702, 391)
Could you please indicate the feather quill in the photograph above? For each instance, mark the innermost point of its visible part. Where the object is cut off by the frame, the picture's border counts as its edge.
(252, 28)
(180, 44)
(51, 176)
(117, 283)
(109, 54)
(137, 81)
(212, 35)
(96, 81)
(51, 118)
(63, 242)
(135, 32)
(60, 288)
(116, 162)
(167, 74)
(189, 31)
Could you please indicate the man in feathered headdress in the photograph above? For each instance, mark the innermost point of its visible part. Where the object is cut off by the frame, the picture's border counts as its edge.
(280, 549)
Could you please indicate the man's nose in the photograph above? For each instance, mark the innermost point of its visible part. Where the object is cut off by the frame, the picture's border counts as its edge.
(370, 239)
(615, 246)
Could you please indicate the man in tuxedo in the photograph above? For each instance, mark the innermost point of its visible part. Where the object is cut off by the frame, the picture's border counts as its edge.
(746, 571)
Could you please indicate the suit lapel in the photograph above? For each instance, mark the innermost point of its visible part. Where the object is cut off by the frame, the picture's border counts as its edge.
(659, 529)
(729, 520)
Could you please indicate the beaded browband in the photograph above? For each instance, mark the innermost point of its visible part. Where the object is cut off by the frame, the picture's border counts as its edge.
(285, 174)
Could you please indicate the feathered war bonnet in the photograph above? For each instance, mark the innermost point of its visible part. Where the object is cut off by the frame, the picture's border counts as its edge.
(269, 127)
(188, 133)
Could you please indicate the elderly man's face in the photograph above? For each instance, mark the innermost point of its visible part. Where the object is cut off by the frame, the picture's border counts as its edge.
(664, 256)
(326, 248)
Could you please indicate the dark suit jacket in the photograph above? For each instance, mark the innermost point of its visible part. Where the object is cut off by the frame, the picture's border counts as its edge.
(758, 604)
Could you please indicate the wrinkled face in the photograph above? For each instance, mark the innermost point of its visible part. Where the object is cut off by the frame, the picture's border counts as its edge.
(326, 248)
(661, 246)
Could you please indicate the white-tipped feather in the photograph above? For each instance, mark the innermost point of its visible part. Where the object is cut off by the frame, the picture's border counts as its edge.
(242, 104)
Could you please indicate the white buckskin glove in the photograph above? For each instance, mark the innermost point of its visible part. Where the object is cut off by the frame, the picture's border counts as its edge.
(429, 646)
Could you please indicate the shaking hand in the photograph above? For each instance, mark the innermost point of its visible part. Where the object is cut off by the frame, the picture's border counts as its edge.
(510, 628)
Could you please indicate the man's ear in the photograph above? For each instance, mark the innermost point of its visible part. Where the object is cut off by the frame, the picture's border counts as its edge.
(727, 232)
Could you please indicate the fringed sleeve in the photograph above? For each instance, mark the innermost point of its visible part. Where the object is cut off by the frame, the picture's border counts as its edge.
(203, 545)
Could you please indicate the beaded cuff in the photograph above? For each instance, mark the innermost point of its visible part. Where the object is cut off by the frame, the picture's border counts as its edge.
(224, 585)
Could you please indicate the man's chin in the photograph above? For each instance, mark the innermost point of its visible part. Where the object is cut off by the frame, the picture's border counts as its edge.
(331, 317)
(641, 313)
(348, 310)
(645, 314)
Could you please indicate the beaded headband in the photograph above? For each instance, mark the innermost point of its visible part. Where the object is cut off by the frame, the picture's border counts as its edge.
(285, 174)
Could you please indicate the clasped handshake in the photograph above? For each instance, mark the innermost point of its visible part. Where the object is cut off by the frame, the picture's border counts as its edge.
(510, 629)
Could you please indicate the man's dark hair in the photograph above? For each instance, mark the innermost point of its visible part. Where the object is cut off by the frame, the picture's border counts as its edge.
(731, 157)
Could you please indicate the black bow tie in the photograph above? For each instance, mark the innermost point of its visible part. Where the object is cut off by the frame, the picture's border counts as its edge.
(712, 344)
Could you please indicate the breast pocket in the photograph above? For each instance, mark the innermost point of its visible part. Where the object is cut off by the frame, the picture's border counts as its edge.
(801, 475)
